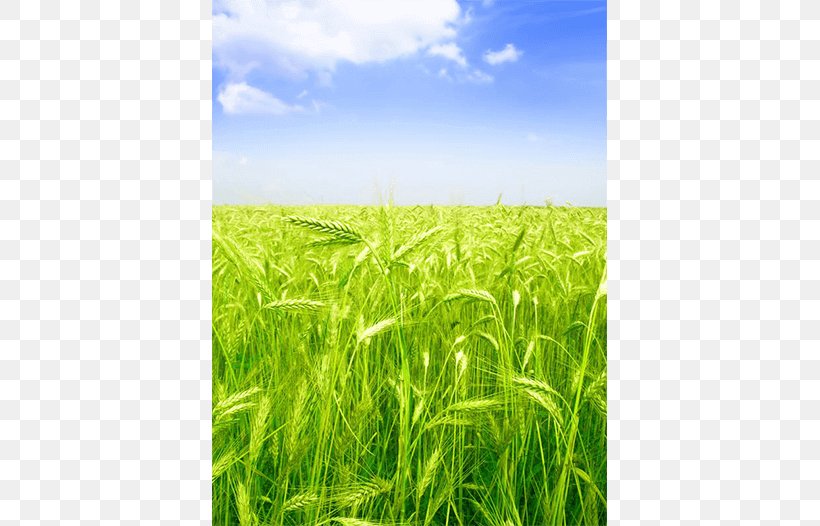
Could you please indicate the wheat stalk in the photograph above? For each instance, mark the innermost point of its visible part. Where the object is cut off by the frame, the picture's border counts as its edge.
(232, 410)
(300, 501)
(221, 464)
(233, 404)
(294, 305)
(430, 469)
(352, 521)
(414, 242)
(336, 229)
(464, 413)
(258, 427)
(243, 506)
(297, 420)
(471, 294)
(475, 405)
(375, 329)
(596, 392)
(357, 494)
(543, 394)
(417, 410)
(236, 397)
(333, 241)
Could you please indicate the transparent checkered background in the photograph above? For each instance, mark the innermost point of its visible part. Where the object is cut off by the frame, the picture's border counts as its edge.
(714, 188)
(714, 225)
(105, 262)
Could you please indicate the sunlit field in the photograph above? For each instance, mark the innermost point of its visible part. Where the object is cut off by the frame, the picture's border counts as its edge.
(409, 365)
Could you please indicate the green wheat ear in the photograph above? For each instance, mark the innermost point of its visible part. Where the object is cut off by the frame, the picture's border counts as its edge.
(471, 294)
(337, 231)
(294, 305)
(414, 242)
(332, 241)
(299, 501)
(352, 521)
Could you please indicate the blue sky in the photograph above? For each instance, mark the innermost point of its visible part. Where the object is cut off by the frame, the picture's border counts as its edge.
(427, 101)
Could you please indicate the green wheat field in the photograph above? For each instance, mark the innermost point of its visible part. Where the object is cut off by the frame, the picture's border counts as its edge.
(434, 365)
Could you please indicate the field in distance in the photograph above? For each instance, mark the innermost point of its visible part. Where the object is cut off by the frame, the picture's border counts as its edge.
(427, 365)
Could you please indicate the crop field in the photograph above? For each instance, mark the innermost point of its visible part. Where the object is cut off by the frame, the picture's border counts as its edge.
(409, 365)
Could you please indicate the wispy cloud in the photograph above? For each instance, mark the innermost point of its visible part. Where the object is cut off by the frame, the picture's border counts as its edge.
(508, 54)
(477, 76)
(465, 76)
(240, 98)
(449, 51)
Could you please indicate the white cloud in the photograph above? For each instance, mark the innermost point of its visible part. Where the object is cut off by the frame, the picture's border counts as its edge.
(240, 98)
(532, 137)
(463, 75)
(297, 36)
(318, 105)
(508, 54)
(478, 77)
(449, 51)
